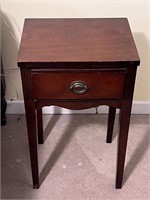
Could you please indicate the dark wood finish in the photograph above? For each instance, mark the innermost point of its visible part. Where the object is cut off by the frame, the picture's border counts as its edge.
(74, 40)
(125, 114)
(101, 85)
(76, 104)
(111, 120)
(31, 125)
(40, 126)
(100, 53)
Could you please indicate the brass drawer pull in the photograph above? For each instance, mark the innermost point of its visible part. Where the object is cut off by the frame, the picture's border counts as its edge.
(78, 87)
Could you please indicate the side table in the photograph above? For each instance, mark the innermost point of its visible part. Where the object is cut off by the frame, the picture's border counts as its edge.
(78, 64)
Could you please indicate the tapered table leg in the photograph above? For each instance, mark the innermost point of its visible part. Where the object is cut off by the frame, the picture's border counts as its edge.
(122, 142)
(111, 119)
(125, 114)
(40, 126)
(31, 127)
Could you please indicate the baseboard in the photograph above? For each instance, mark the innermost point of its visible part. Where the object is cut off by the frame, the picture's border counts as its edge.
(17, 107)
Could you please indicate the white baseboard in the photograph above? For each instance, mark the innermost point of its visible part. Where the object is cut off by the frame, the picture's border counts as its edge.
(17, 107)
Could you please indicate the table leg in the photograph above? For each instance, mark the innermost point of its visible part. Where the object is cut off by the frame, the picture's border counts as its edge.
(111, 119)
(31, 127)
(40, 126)
(125, 114)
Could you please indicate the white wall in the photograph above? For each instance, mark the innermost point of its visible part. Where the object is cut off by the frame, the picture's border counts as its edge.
(135, 10)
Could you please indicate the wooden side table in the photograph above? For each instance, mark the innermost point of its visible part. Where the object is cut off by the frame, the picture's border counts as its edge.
(78, 64)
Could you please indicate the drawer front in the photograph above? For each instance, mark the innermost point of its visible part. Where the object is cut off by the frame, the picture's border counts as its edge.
(78, 85)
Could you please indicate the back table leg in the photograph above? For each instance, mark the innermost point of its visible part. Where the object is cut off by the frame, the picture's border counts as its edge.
(111, 119)
(40, 126)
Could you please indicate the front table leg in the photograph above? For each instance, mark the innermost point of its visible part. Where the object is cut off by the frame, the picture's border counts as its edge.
(31, 127)
(125, 114)
(122, 142)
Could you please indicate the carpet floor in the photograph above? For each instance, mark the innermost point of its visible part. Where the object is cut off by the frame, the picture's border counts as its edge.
(75, 162)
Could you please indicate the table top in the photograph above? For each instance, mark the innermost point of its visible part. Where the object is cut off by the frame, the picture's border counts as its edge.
(102, 40)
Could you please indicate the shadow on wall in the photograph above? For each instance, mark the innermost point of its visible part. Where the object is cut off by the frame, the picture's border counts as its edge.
(11, 36)
(10, 39)
(142, 90)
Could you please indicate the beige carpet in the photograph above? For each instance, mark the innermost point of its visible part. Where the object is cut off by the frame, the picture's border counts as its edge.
(75, 161)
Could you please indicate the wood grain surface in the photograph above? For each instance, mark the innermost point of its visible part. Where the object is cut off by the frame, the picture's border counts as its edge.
(77, 40)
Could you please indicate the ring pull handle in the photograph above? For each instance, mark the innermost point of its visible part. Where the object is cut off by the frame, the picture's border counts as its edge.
(78, 87)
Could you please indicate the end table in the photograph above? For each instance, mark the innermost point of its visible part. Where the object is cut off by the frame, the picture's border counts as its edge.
(78, 64)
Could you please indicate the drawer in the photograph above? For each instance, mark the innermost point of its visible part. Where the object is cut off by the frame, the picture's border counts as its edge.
(78, 85)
